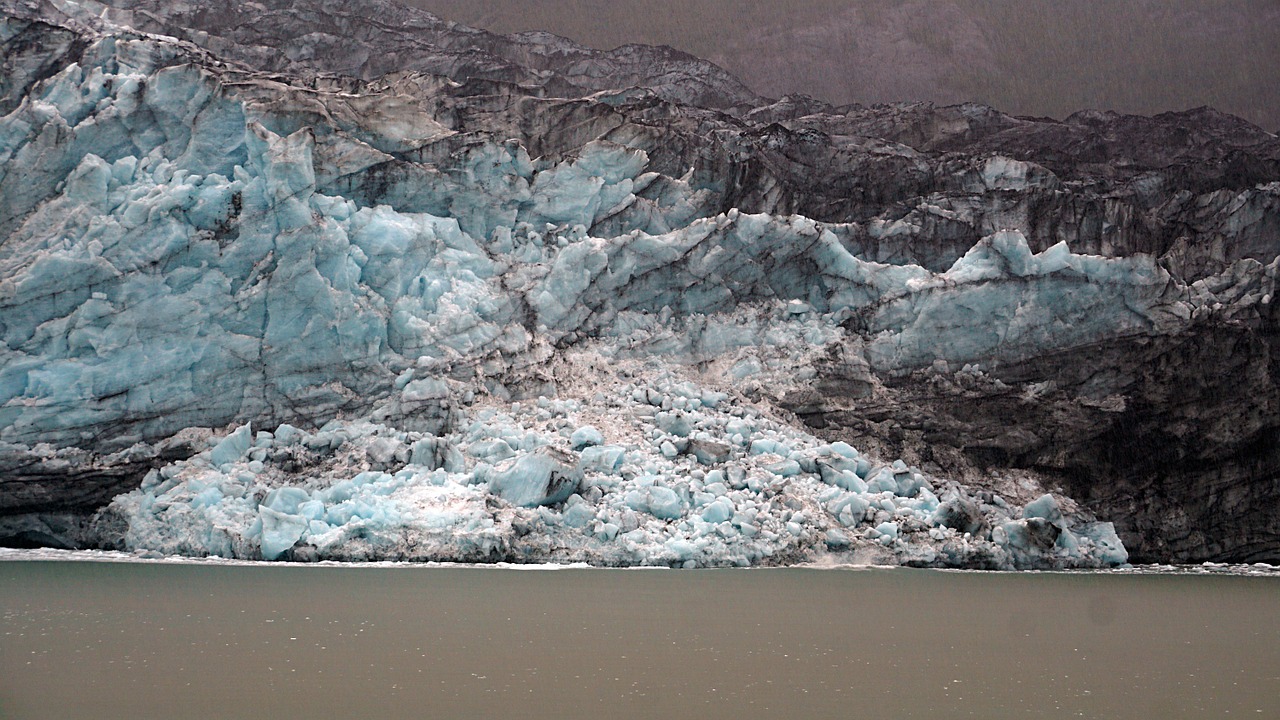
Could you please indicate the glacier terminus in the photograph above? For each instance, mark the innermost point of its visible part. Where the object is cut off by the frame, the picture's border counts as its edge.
(407, 290)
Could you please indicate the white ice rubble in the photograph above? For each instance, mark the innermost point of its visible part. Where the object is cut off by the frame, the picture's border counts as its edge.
(189, 247)
(637, 468)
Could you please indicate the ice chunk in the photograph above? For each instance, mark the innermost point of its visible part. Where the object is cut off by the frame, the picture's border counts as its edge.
(883, 481)
(233, 447)
(682, 550)
(785, 468)
(840, 471)
(280, 531)
(286, 499)
(661, 502)
(709, 452)
(1045, 507)
(887, 530)
(578, 515)
(675, 423)
(542, 477)
(910, 484)
(604, 458)
(959, 513)
(718, 511)
(1107, 546)
(586, 436)
(836, 538)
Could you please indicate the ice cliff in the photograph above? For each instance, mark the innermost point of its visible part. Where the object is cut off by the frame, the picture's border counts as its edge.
(340, 280)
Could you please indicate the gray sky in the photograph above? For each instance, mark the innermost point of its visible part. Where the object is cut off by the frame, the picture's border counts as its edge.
(1035, 57)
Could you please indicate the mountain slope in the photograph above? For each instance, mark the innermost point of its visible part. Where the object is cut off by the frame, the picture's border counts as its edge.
(1027, 57)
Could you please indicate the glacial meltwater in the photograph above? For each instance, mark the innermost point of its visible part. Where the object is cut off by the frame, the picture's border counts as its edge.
(202, 640)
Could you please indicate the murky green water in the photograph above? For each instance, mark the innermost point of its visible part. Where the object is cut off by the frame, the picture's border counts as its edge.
(150, 640)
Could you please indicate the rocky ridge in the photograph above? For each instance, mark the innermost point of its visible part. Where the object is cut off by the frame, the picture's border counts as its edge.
(1027, 304)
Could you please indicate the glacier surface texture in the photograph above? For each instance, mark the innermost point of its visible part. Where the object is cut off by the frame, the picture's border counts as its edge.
(278, 282)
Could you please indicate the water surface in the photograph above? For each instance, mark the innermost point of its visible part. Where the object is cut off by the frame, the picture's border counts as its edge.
(156, 640)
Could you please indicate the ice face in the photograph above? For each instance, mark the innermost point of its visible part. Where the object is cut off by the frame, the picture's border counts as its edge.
(180, 253)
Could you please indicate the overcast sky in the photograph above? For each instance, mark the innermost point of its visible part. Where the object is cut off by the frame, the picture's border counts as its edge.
(1035, 57)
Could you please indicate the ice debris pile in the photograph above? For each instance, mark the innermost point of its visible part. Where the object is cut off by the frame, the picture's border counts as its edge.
(649, 469)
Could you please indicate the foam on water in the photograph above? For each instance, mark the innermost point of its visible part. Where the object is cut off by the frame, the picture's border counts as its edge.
(114, 556)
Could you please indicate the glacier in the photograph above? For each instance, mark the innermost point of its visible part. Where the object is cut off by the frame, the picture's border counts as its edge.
(284, 316)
